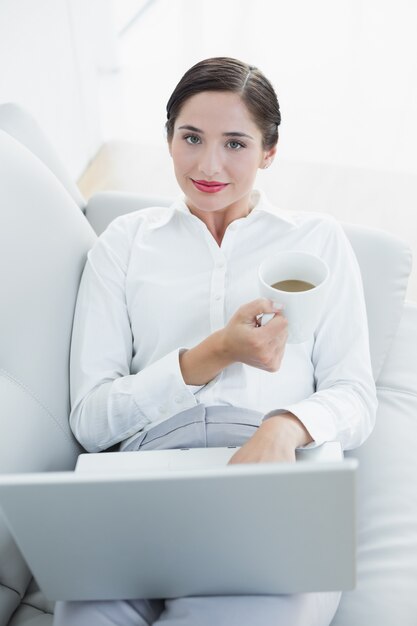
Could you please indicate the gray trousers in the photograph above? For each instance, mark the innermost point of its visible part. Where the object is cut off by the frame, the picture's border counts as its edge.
(201, 427)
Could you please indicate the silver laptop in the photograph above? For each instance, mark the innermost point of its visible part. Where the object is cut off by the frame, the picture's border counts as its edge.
(168, 523)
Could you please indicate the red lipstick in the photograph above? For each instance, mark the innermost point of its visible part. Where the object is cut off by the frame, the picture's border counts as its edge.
(209, 186)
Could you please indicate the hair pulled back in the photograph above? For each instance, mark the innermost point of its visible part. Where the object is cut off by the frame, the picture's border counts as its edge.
(228, 74)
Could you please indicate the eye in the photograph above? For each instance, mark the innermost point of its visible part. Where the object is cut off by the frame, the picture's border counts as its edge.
(192, 139)
(235, 145)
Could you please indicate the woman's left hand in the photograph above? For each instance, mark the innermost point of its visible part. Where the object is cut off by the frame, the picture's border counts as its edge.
(274, 441)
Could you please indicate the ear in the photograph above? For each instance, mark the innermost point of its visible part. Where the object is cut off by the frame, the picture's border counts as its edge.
(268, 157)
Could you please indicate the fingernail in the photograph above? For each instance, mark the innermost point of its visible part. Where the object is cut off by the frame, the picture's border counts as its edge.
(276, 306)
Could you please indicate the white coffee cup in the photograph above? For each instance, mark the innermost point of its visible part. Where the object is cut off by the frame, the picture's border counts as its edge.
(303, 308)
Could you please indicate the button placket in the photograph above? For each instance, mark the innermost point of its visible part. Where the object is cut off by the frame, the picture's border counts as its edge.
(218, 291)
(218, 283)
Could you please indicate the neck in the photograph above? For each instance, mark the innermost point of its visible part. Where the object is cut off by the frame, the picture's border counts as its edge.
(218, 221)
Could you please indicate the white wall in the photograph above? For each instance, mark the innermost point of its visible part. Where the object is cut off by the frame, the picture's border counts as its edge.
(48, 65)
(345, 71)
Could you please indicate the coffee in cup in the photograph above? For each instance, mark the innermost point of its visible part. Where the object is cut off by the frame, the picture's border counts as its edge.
(293, 285)
(297, 281)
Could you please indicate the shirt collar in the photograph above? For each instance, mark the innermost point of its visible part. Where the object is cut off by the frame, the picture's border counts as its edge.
(259, 200)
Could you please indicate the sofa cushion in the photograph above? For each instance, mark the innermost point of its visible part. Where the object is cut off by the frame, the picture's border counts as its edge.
(13, 569)
(30, 616)
(386, 592)
(9, 601)
(385, 263)
(14, 574)
(44, 239)
(35, 609)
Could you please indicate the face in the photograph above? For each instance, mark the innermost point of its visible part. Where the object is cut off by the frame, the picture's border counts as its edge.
(217, 149)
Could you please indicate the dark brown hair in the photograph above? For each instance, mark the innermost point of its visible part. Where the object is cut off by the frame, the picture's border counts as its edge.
(227, 74)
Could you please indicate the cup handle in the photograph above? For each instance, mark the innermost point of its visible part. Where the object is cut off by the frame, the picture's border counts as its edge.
(264, 318)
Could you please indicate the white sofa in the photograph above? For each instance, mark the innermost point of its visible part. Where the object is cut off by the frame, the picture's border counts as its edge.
(46, 229)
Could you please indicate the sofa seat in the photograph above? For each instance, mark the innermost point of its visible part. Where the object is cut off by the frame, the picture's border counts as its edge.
(34, 610)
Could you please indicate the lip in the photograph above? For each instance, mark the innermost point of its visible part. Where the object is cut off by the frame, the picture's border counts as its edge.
(209, 186)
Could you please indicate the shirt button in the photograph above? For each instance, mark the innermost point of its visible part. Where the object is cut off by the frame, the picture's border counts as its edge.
(218, 297)
(220, 264)
(162, 410)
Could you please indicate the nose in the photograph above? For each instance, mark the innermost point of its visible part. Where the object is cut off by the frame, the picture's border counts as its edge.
(210, 161)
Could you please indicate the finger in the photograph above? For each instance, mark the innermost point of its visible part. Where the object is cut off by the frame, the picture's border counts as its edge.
(253, 311)
(259, 306)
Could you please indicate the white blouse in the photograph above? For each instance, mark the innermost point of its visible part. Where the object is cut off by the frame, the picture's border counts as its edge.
(157, 282)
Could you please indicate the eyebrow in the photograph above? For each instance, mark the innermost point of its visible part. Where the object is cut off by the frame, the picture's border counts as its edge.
(231, 134)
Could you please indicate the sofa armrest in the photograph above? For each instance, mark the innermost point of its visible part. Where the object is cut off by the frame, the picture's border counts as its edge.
(387, 496)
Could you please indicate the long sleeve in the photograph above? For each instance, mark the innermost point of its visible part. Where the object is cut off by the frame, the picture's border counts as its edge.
(109, 402)
(344, 405)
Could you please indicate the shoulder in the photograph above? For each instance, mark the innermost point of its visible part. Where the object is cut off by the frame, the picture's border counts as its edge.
(131, 223)
(127, 227)
(303, 221)
(324, 225)
(119, 237)
(328, 232)
(319, 232)
(309, 224)
(313, 219)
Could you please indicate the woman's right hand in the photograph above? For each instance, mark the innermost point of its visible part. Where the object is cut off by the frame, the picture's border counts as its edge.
(245, 341)
(241, 340)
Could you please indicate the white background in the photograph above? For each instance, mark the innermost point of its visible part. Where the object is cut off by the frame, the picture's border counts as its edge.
(345, 72)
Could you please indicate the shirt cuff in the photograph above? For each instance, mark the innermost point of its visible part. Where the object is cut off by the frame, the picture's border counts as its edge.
(315, 417)
(160, 391)
(193, 388)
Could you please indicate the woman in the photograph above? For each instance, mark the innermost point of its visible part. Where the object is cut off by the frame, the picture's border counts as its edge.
(167, 347)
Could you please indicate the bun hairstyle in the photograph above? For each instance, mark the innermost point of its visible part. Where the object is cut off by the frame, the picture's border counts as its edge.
(227, 74)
